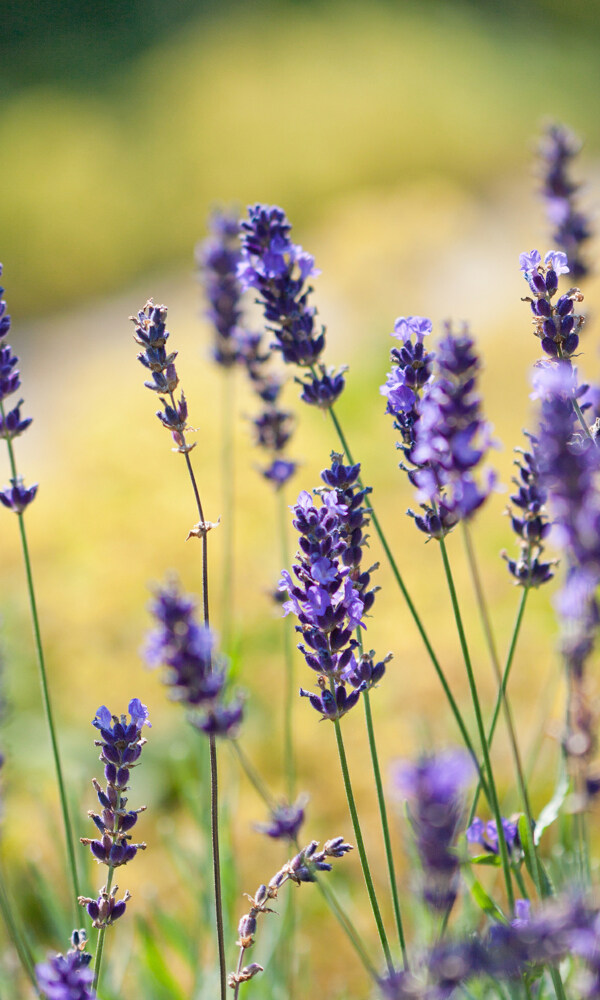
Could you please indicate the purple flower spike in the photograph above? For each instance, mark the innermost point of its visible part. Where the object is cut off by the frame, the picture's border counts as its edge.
(278, 269)
(530, 520)
(570, 228)
(555, 322)
(218, 259)
(106, 908)
(195, 672)
(65, 978)
(434, 787)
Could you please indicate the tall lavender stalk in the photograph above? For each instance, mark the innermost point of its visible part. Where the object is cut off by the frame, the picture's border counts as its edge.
(17, 498)
(151, 334)
(571, 228)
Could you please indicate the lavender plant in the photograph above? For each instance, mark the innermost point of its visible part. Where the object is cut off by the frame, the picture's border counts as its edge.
(534, 933)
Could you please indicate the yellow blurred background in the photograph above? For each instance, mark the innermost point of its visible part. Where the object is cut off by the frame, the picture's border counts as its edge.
(399, 138)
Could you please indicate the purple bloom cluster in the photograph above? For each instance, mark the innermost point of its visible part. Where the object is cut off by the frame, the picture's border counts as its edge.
(106, 908)
(434, 787)
(66, 977)
(218, 258)
(451, 438)
(331, 592)
(285, 820)
(411, 371)
(120, 749)
(486, 834)
(152, 335)
(570, 227)
(278, 270)
(530, 523)
(555, 323)
(17, 496)
(187, 649)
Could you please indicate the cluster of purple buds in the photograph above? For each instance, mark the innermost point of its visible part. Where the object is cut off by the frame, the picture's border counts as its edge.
(106, 908)
(285, 820)
(570, 227)
(17, 496)
(67, 977)
(217, 259)
(325, 389)
(530, 521)
(301, 868)
(193, 671)
(120, 749)
(329, 594)
(451, 438)
(411, 372)
(486, 835)
(152, 335)
(434, 787)
(555, 323)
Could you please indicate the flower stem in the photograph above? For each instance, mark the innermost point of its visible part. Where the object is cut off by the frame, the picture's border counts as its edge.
(227, 491)
(101, 936)
(17, 936)
(288, 700)
(480, 727)
(46, 690)
(505, 675)
(512, 736)
(214, 779)
(361, 846)
(413, 611)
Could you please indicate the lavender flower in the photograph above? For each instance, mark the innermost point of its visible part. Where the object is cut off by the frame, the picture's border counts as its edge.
(555, 323)
(279, 472)
(106, 908)
(530, 523)
(218, 258)
(120, 749)
(65, 977)
(278, 269)
(301, 868)
(193, 670)
(570, 227)
(331, 592)
(486, 834)
(15, 497)
(324, 390)
(285, 820)
(434, 788)
(451, 437)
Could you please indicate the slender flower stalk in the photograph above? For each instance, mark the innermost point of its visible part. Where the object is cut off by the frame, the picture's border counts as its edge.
(17, 498)
(151, 334)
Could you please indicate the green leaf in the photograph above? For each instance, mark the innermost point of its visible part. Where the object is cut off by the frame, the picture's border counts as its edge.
(481, 898)
(551, 810)
(534, 865)
(490, 860)
(155, 962)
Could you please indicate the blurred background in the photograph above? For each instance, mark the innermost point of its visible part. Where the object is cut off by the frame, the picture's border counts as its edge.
(400, 138)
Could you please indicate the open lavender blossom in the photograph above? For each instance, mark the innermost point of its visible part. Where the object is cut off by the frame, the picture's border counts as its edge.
(555, 323)
(278, 271)
(217, 259)
(65, 977)
(120, 745)
(194, 672)
(571, 229)
(434, 787)
(451, 438)
(486, 835)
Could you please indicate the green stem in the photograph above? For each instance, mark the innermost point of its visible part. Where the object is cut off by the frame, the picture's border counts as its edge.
(412, 609)
(361, 846)
(18, 938)
(288, 699)
(328, 894)
(480, 727)
(227, 491)
(582, 419)
(72, 864)
(101, 937)
(512, 736)
(505, 675)
(384, 825)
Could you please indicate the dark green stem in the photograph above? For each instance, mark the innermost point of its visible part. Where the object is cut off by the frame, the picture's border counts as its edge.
(505, 675)
(512, 736)
(361, 846)
(46, 690)
(412, 609)
(101, 937)
(288, 699)
(480, 727)
(384, 825)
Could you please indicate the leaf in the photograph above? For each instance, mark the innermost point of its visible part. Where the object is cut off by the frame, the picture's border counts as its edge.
(551, 810)
(481, 898)
(532, 862)
(156, 964)
(490, 860)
